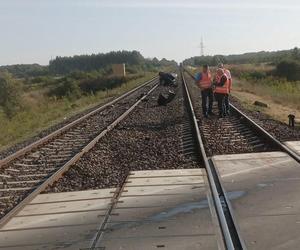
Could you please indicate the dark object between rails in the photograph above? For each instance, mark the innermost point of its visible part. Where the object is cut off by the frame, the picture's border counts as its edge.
(261, 104)
(167, 79)
(163, 100)
(291, 120)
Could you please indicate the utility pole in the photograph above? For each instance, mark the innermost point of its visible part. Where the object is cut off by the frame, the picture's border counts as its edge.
(202, 47)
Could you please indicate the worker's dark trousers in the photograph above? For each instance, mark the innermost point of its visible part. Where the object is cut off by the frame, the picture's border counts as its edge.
(207, 101)
(221, 103)
(227, 106)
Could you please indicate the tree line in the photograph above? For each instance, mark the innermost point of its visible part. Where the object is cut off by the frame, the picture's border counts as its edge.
(25, 70)
(63, 65)
(273, 57)
(287, 62)
(71, 76)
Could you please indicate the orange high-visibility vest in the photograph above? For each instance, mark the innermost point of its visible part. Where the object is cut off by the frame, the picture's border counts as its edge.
(222, 89)
(205, 82)
(217, 78)
(229, 84)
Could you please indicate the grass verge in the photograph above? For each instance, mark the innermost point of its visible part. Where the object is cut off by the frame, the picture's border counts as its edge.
(40, 113)
(282, 98)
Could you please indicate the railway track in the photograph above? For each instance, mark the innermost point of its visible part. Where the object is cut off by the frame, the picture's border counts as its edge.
(230, 233)
(33, 173)
(29, 171)
(236, 133)
(148, 139)
(142, 141)
(227, 135)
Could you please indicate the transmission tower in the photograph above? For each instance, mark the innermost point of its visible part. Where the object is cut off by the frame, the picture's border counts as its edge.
(202, 47)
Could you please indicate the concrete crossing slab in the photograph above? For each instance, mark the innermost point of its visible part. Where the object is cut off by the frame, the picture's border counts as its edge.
(68, 220)
(167, 209)
(294, 145)
(264, 190)
(163, 209)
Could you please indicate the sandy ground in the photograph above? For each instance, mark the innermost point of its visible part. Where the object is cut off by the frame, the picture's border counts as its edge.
(275, 110)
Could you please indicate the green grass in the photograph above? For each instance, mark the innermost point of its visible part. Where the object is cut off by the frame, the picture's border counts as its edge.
(280, 91)
(40, 112)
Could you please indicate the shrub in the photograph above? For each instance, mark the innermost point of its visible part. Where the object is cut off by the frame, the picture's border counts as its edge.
(66, 88)
(257, 75)
(10, 94)
(289, 69)
(100, 83)
(104, 83)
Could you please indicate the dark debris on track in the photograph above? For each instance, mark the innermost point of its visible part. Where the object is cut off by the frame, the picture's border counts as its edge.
(149, 138)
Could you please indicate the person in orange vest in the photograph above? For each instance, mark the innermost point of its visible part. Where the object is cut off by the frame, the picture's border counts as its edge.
(226, 100)
(221, 84)
(204, 82)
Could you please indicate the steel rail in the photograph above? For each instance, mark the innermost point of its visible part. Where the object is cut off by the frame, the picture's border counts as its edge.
(112, 206)
(58, 174)
(266, 134)
(227, 235)
(43, 140)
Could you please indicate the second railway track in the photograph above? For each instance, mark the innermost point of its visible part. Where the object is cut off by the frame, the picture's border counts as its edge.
(29, 171)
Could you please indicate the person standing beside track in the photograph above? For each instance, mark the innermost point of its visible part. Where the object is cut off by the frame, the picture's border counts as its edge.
(226, 100)
(204, 82)
(221, 84)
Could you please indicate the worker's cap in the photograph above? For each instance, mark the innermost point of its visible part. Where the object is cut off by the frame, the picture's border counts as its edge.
(220, 65)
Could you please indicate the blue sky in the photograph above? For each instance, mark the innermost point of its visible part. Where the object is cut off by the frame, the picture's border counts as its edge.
(36, 30)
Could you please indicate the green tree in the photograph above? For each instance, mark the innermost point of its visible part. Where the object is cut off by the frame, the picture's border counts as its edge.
(67, 88)
(296, 54)
(290, 69)
(10, 94)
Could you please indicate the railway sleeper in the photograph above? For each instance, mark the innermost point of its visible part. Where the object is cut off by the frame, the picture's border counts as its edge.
(261, 145)
(255, 142)
(52, 150)
(12, 170)
(34, 171)
(248, 133)
(244, 129)
(17, 189)
(25, 165)
(5, 176)
(251, 137)
(5, 198)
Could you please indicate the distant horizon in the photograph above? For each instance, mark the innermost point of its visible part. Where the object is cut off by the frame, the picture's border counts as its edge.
(159, 58)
